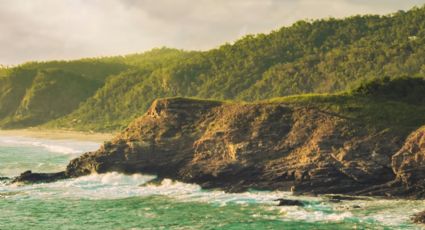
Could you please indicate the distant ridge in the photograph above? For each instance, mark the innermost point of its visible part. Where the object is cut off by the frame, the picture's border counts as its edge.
(322, 56)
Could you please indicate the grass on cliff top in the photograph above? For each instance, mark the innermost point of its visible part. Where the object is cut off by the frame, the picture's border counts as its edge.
(374, 113)
(198, 99)
(120, 124)
(375, 105)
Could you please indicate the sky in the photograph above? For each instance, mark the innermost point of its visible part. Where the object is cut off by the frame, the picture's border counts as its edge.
(40, 30)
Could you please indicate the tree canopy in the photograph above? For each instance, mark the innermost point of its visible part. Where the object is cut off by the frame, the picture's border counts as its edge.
(322, 56)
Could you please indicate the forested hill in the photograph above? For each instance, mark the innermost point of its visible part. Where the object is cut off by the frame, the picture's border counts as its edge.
(322, 56)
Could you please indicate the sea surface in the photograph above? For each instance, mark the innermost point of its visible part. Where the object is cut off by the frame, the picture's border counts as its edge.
(116, 201)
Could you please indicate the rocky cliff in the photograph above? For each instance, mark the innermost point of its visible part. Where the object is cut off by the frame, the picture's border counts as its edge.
(409, 164)
(262, 146)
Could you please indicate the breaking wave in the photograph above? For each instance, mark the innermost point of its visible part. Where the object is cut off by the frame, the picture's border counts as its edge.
(317, 209)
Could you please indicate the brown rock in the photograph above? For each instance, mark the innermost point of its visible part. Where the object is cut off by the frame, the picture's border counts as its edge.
(241, 146)
(409, 163)
(30, 177)
(260, 145)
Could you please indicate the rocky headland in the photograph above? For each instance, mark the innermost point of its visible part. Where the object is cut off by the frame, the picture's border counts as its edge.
(270, 145)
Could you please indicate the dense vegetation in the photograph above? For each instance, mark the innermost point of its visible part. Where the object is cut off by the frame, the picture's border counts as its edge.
(323, 56)
(410, 90)
(394, 105)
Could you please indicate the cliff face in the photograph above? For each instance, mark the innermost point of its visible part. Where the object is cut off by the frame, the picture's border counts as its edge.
(409, 163)
(261, 146)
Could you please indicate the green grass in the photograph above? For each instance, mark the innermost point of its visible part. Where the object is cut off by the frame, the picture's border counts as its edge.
(374, 113)
(206, 100)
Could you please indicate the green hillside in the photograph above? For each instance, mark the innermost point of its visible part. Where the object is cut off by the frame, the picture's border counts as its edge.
(35, 93)
(323, 56)
(52, 94)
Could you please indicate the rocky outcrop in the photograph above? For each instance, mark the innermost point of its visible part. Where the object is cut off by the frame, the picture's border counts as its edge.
(409, 164)
(262, 146)
(286, 202)
(29, 176)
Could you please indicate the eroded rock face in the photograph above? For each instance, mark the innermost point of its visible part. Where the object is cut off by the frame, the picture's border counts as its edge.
(409, 163)
(241, 146)
(261, 146)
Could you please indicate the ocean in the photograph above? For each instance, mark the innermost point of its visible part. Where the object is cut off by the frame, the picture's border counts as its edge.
(117, 201)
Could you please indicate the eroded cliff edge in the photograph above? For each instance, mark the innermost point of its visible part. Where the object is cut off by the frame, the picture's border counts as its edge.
(276, 145)
(409, 164)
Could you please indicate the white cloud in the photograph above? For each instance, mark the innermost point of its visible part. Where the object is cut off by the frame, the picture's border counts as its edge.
(64, 29)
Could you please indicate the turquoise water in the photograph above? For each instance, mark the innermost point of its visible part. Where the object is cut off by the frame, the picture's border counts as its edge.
(116, 201)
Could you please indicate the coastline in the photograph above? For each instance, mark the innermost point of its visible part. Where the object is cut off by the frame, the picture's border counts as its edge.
(55, 134)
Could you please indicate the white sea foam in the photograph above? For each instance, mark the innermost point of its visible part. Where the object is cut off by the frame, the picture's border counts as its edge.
(115, 186)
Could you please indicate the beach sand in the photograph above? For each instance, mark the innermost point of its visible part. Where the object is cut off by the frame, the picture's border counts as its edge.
(58, 134)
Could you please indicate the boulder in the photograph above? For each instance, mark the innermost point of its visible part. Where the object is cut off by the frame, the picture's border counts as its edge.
(286, 202)
(30, 177)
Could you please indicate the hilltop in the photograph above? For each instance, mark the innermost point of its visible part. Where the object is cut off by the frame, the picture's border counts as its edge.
(322, 56)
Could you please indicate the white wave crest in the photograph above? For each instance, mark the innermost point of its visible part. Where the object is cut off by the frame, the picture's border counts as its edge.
(317, 209)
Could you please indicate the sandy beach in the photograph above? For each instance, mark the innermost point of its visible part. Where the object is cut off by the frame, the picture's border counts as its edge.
(58, 134)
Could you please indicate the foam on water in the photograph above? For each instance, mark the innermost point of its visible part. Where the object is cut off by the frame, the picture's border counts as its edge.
(117, 186)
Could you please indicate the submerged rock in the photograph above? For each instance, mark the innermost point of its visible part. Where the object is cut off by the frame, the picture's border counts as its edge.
(5, 180)
(338, 198)
(419, 218)
(348, 207)
(157, 181)
(30, 177)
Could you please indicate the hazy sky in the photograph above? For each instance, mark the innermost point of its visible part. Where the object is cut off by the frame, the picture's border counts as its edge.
(67, 29)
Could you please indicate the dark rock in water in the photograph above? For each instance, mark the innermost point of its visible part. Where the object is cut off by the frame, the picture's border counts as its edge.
(334, 200)
(5, 180)
(156, 182)
(30, 177)
(286, 202)
(339, 198)
(348, 207)
(419, 218)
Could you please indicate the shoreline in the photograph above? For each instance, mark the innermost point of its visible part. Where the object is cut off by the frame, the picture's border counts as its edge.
(55, 134)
